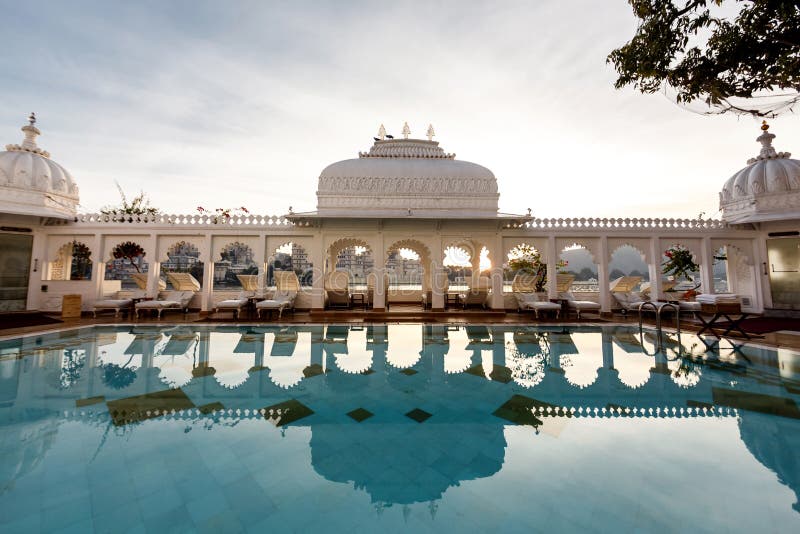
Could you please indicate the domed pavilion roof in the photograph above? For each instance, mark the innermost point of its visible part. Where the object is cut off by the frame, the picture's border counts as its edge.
(768, 189)
(33, 184)
(407, 177)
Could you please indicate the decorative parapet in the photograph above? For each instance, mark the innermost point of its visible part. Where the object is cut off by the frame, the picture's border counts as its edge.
(116, 218)
(591, 223)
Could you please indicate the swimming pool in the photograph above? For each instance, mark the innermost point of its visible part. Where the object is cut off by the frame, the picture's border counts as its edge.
(395, 427)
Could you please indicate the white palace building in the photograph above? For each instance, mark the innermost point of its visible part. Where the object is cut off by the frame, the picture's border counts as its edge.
(403, 194)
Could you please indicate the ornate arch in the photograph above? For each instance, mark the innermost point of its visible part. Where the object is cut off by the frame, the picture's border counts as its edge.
(340, 244)
(510, 244)
(412, 244)
(642, 246)
(112, 241)
(565, 243)
(167, 244)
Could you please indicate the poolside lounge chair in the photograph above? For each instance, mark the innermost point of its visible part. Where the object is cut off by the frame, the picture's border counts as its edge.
(167, 300)
(183, 282)
(337, 289)
(622, 290)
(286, 287)
(476, 295)
(141, 281)
(119, 303)
(281, 300)
(234, 305)
(565, 282)
(536, 303)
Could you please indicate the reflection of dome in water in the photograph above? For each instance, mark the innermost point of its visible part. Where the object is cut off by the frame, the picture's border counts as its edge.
(386, 461)
(774, 441)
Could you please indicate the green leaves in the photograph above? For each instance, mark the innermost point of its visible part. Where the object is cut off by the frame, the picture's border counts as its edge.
(713, 58)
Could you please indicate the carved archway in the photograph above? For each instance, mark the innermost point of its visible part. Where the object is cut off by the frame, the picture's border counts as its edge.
(424, 253)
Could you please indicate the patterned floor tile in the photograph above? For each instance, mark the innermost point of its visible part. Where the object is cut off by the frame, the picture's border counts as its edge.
(360, 414)
(418, 415)
(287, 412)
(519, 409)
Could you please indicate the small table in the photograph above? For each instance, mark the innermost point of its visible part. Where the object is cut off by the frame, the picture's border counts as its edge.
(452, 298)
(733, 324)
(359, 298)
(251, 305)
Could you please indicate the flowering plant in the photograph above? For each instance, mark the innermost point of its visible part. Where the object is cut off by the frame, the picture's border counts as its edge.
(128, 251)
(679, 263)
(222, 213)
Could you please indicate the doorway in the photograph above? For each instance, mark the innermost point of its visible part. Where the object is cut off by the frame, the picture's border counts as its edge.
(15, 263)
(784, 272)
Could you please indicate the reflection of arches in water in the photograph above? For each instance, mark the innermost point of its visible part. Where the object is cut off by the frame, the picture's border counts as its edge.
(458, 357)
(231, 368)
(354, 453)
(405, 345)
(630, 360)
(286, 370)
(357, 358)
(581, 369)
(525, 358)
(774, 441)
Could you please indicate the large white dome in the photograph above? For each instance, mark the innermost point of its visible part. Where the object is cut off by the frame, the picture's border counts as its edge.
(767, 189)
(33, 184)
(407, 177)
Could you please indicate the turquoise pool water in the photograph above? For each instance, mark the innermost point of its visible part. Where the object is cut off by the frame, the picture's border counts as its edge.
(423, 428)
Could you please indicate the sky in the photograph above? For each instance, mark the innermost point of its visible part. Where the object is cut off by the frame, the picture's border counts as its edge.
(229, 104)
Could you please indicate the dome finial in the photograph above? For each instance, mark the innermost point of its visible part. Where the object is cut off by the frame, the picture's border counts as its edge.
(381, 133)
(32, 118)
(431, 133)
(406, 130)
(764, 126)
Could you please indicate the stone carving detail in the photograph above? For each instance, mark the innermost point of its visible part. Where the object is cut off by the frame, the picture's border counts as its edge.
(420, 186)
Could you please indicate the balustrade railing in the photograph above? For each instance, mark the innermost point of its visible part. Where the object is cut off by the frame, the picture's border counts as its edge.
(186, 220)
(589, 223)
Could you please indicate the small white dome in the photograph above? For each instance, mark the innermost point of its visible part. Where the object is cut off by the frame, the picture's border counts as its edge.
(409, 177)
(767, 189)
(33, 184)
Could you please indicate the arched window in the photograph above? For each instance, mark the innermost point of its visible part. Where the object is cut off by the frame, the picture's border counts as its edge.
(291, 257)
(236, 259)
(72, 263)
(183, 257)
(627, 260)
(358, 261)
(127, 264)
(577, 261)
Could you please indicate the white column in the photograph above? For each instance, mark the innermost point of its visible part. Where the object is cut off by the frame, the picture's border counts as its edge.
(552, 268)
(438, 275)
(761, 281)
(706, 266)
(602, 275)
(654, 268)
(98, 265)
(38, 261)
(207, 255)
(496, 256)
(318, 282)
(260, 258)
(381, 292)
(153, 267)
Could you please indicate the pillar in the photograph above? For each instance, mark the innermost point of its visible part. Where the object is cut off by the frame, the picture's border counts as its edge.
(654, 268)
(207, 255)
(153, 267)
(438, 277)
(318, 281)
(381, 294)
(261, 259)
(98, 266)
(496, 256)
(552, 267)
(602, 275)
(706, 266)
